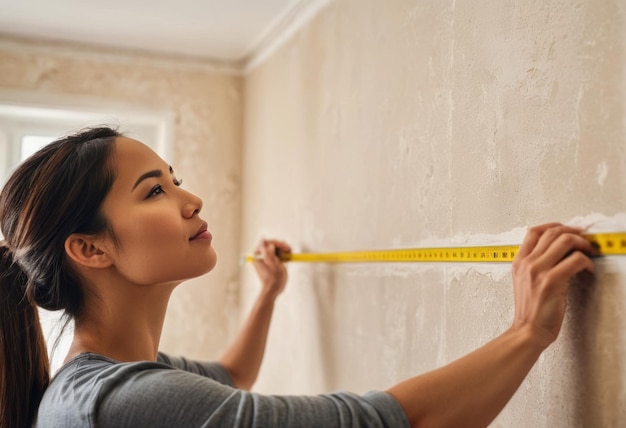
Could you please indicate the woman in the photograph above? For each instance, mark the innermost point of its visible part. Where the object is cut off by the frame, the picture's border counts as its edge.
(96, 225)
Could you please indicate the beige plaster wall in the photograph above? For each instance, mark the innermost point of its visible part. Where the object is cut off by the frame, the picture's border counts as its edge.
(401, 123)
(383, 125)
(206, 104)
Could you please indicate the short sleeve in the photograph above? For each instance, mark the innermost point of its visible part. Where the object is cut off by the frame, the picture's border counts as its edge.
(167, 398)
(212, 370)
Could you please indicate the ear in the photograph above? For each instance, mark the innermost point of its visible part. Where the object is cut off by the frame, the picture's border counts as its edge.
(88, 251)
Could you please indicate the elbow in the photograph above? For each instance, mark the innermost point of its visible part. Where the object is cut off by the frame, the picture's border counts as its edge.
(243, 384)
(240, 380)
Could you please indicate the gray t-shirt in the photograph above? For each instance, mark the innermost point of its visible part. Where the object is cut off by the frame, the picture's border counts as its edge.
(96, 391)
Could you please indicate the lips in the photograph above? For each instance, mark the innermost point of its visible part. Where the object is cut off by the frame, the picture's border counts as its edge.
(201, 233)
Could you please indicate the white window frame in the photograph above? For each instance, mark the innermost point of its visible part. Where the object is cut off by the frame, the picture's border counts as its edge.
(27, 114)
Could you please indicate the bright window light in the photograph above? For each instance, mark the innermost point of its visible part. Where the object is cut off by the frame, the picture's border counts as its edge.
(32, 143)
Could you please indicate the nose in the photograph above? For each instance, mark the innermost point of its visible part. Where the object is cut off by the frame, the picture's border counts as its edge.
(192, 205)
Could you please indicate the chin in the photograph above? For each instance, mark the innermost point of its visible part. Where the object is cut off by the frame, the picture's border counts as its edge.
(197, 268)
(208, 265)
(211, 265)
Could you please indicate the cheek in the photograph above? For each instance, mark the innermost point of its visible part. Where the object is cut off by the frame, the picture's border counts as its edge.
(153, 224)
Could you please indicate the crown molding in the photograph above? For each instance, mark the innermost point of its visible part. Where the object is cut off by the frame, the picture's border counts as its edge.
(284, 26)
(277, 33)
(65, 49)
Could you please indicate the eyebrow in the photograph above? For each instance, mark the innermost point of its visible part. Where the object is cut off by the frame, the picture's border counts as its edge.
(149, 174)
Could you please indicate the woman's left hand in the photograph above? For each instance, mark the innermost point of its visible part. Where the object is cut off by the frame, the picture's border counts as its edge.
(270, 269)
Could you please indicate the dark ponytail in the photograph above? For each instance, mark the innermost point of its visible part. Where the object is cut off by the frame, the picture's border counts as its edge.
(23, 355)
(56, 192)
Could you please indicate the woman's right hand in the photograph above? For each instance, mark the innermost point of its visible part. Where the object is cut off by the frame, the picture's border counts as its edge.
(550, 255)
(472, 390)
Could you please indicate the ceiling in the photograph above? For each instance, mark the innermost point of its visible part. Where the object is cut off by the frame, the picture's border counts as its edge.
(223, 30)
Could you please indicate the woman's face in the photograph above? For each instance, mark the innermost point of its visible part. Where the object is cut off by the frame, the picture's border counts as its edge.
(160, 235)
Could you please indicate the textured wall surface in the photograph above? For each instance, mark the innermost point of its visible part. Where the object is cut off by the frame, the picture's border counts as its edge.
(207, 110)
(401, 123)
(391, 124)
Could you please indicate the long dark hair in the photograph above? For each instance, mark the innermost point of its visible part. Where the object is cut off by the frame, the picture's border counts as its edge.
(56, 192)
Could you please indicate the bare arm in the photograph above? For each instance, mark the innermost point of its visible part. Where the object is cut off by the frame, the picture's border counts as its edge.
(244, 356)
(472, 390)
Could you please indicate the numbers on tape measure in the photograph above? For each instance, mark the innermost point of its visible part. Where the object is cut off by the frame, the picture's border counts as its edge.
(605, 243)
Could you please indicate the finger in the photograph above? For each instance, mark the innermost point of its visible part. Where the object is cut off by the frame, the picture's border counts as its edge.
(263, 250)
(573, 264)
(281, 249)
(262, 255)
(556, 244)
(270, 256)
(281, 246)
(550, 235)
(561, 246)
(532, 238)
(270, 248)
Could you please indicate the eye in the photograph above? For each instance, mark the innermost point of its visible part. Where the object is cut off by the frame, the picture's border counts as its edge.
(178, 182)
(155, 191)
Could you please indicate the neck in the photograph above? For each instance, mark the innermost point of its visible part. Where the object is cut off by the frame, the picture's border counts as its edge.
(123, 323)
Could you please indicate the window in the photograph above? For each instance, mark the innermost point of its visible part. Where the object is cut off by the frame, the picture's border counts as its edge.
(25, 128)
(31, 143)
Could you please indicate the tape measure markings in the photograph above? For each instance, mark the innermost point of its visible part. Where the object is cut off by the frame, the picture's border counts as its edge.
(605, 243)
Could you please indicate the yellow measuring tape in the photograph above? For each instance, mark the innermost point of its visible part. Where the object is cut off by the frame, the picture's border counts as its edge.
(606, 244)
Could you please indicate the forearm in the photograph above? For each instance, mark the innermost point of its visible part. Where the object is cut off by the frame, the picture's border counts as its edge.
(244, 356)
(472, 390)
